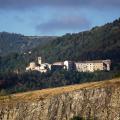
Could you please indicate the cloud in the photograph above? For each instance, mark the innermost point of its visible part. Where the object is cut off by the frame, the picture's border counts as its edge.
(23, 4)
(64, 23)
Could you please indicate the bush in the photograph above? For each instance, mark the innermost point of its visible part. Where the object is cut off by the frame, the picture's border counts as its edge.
(77, 118)
(3, 92)
(81, 118)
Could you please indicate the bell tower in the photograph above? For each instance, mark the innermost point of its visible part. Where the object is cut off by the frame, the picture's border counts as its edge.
(39, 60)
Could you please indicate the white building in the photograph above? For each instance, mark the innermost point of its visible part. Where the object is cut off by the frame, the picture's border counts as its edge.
(83, 66)
(91, 66)
(69, 65)
(41, 67)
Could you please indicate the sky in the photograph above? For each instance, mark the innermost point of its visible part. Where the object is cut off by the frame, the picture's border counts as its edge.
(55, 17)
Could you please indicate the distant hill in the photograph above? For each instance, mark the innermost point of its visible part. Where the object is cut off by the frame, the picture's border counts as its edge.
(98, 43)
(11, 42)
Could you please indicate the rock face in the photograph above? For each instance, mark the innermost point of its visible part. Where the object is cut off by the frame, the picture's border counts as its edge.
(101, 102)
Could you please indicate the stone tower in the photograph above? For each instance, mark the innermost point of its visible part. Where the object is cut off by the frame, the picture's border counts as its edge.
(39, 60)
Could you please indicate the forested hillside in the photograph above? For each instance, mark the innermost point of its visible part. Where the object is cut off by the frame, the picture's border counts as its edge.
(98, 43)
(11, 42)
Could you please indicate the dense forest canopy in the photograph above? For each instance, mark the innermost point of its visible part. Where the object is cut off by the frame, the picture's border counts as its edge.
(13, 83)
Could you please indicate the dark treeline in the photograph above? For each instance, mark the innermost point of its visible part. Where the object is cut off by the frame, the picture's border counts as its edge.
(82, 118)
(12, 83)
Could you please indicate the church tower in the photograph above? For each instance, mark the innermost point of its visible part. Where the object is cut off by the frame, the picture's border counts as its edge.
(39, 60)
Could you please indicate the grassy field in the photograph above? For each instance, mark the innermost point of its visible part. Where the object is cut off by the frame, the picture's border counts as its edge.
(46, 93)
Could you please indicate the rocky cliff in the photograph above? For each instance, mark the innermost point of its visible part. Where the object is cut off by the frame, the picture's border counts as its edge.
(99, 100)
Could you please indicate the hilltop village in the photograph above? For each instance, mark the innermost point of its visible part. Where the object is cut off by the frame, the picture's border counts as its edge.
(82, 66)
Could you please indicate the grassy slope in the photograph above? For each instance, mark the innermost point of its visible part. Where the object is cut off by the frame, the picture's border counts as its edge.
(46, 93)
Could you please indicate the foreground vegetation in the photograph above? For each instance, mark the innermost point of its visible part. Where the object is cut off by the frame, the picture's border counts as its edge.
(13, 83)
(81, 118)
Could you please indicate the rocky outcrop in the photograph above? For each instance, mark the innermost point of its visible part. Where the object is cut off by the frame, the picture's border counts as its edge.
(100, 101)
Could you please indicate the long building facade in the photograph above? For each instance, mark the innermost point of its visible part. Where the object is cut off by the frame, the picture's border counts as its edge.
(91, 66)
(83, 66)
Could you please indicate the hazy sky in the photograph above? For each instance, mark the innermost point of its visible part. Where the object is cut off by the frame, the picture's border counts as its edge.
(55, 17)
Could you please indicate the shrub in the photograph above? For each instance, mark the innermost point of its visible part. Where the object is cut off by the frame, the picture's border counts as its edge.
(77, 118)
(3, 92)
